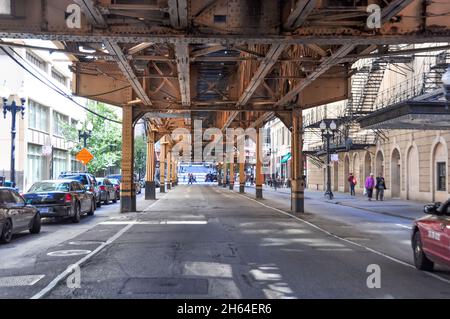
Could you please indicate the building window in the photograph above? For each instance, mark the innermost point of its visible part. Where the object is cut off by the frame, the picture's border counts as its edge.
(37, 61)
(58, 123)
(58, 76)
(75, 165)
(441, 176)
(59, 162)
(36, 164)
(38, 116)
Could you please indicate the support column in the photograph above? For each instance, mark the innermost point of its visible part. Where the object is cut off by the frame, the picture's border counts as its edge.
(242, 177)
(150, 191)
(224, 175)
(298, 184)
(169, 168)
(127, 187)
(219, 174)
(258, 169)
(162, 166)
(232, 175)
(174, 173)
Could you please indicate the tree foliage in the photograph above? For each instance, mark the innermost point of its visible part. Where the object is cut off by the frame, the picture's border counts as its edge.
(140, 152)
(105, 142)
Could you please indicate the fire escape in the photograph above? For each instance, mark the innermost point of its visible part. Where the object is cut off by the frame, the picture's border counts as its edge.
(365, 85)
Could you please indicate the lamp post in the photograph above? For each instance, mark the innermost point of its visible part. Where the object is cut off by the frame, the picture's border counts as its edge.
(14, 103)
(327, 134)
(84, 134)
(446, 82)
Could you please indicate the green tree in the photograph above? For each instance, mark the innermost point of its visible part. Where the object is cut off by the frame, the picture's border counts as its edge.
(140, 153)
(106, 140)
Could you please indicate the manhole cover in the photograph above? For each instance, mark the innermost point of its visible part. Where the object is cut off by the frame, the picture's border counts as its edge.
(67, 253)
(166, 286)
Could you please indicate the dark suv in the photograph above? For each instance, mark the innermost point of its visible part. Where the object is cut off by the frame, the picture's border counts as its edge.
(88, 180)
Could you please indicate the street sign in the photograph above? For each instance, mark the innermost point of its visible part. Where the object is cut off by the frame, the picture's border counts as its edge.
(84, 156)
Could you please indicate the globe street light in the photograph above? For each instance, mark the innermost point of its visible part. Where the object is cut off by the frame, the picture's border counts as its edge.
(327, 134)
(446, 82)
(13, 103)
(84, 134)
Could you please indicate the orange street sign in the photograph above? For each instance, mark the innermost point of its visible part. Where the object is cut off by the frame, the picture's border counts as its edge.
(84, 156)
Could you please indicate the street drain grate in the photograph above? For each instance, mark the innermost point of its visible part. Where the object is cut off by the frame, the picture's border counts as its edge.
(18, 281)
(166, 286)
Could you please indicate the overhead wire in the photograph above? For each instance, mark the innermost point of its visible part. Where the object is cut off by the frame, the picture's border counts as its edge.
(53, 86)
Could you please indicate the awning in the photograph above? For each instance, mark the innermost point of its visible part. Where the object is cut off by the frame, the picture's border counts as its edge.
(286, 158)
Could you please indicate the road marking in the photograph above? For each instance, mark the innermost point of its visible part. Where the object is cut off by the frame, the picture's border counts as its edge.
(160, 222)
(403, 226)
(42, 293)
(68, 253)
(18, 281)
(346, 240)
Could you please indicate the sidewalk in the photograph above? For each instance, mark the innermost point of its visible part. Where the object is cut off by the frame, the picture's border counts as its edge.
(393, 207)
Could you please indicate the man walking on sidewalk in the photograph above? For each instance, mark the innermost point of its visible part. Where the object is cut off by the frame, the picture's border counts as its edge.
(380, 187)
(352, 182)
(370, 184)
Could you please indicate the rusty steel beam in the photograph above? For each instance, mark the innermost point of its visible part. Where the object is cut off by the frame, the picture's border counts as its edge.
(299, 14)
(95, 16)
(182, 59)
(139, 47)
(264, 68)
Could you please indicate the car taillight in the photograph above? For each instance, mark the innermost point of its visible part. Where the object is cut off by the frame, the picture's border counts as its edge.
(102, 188)
(68, 198)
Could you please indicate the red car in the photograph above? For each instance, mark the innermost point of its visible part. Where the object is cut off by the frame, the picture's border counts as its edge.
(431, 237)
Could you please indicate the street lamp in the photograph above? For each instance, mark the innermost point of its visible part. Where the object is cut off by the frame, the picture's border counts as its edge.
(328, 133)
(84, 134)
(446, 82)
(14, 103)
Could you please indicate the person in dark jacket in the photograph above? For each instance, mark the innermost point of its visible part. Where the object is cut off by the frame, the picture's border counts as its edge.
(380, 186)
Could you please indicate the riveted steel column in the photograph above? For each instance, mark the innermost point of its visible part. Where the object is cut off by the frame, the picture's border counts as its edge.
(232, 175)
(169, 167)
(150, 191)
(298, 183)
(127, 188)
(242, 177)
(258, 171)
(162, 166)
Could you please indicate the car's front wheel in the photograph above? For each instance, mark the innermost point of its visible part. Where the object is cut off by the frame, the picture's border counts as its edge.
(6, 234)
(99, 203)
(115, 198)
(106, 202)
(36, 226)
(421, 261)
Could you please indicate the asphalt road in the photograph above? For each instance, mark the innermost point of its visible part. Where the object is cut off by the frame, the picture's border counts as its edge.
(209, 242)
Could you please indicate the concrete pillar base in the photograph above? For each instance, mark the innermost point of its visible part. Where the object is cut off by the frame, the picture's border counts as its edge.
(224, 185)
(219, 183)
(150, 190)
(297, 205)
(241, 188)
(231, 186)
(259, 192)
(127, 204)
(169, 185)
(162, 188)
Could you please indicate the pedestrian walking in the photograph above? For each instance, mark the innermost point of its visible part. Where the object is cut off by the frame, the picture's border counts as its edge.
(369, 185)
(380, 187)
(352, 183)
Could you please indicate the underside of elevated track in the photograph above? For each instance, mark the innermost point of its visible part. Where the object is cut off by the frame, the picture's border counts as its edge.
(228, 63)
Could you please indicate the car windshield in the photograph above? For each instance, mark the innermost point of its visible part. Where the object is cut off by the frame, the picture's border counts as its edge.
(49, 187)
(80, 178)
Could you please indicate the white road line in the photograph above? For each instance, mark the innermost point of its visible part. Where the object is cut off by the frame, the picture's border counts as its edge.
(346, 240)
(403, 226)
(80, 262)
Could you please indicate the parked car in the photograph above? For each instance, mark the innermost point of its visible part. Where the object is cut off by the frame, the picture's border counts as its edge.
(116, 184)
(61, 198)
(431, 237)
(16, 216)
(88, 180)
(137, 185)
(107, 190)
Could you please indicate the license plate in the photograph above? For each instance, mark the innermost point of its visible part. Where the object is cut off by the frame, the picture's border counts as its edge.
(43, 210)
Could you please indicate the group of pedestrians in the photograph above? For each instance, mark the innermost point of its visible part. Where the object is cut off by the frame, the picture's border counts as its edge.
(371, 184)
